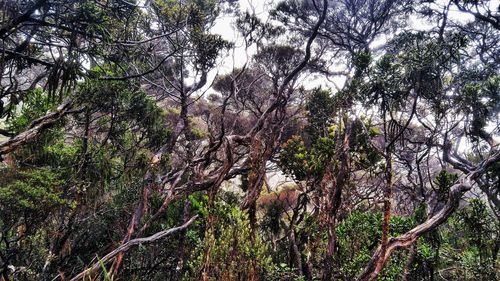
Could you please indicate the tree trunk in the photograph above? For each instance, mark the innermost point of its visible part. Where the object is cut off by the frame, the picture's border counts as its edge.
(333, 187)
(456, 192)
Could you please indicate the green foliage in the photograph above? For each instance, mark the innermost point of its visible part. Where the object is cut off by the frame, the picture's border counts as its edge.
(443, 181)
(480, 99)
(271, 221)
(387, 85)
(27, 199)
(31, 190)
(278, 60)
(199, 16)
(300, 161)
(476, 221)
(107, 276)
(199, 202)
(303, 161)
(363, 153)
(293, 158)
(469, 241)
(321, 108)
(359, 234)
(362, 61)
(35, 105)
(68, 195)
(282, 272)
(232, 252)
(253, 29)
(130, 110)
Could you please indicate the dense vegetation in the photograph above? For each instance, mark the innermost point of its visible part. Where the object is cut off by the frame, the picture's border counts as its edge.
(326, 140)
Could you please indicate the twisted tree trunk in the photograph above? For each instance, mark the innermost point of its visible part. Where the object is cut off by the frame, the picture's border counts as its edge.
(381, 256)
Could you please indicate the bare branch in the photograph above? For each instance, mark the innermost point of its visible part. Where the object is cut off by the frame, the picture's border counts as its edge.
(131, 243)
(35, 128)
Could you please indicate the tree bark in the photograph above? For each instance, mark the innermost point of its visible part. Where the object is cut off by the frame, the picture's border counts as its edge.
(334, 188)
(464, 184)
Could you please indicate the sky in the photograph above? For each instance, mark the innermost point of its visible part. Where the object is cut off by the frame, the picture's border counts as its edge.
(224, 26)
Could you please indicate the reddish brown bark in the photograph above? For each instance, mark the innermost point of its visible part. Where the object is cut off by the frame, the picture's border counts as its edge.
(464, 184)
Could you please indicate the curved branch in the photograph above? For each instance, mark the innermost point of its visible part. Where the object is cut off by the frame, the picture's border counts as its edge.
(307, 56)
(36, 127)
(131, 243)
(380, 258)
(258, 125)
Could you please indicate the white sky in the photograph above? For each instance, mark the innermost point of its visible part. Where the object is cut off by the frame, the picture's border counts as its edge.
(224, 26)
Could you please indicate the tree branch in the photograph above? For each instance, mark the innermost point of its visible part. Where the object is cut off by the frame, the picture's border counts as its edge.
(131, 243)
(35, 128)
(456, 192)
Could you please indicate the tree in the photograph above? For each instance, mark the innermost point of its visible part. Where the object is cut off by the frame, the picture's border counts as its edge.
(350, 143)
